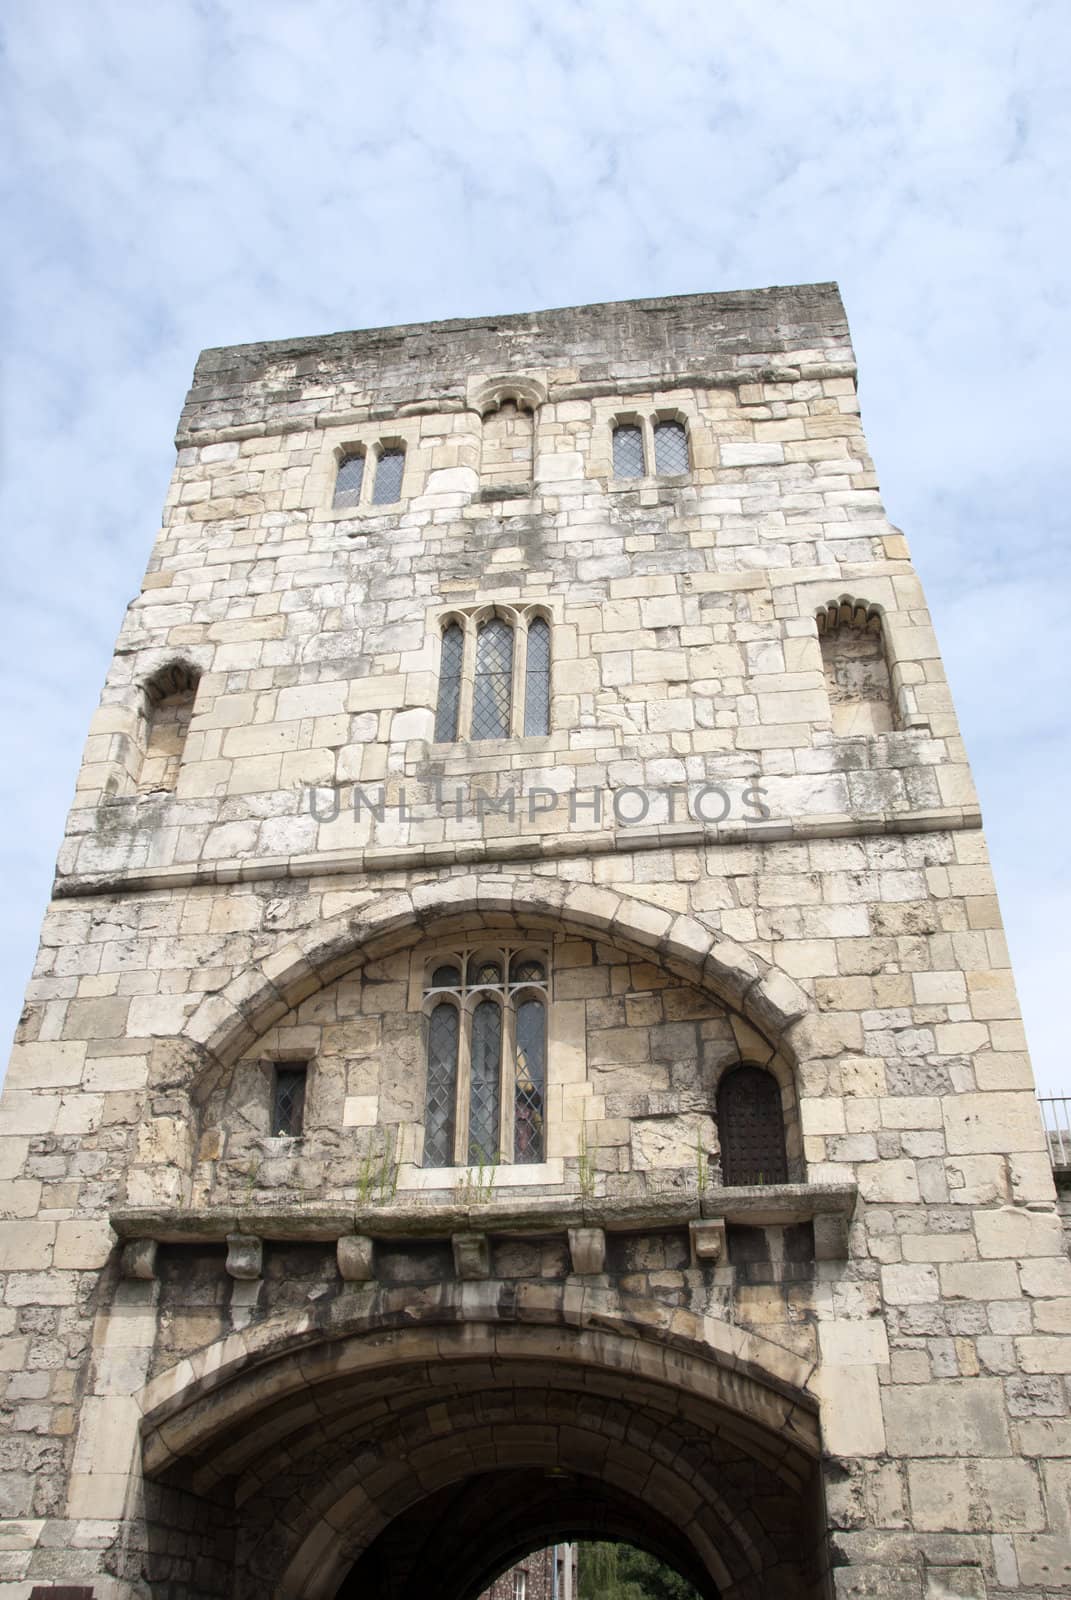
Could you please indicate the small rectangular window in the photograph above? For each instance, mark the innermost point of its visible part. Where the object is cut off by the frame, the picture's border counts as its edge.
(288, 1100)
(520, 1586)
(388, 485)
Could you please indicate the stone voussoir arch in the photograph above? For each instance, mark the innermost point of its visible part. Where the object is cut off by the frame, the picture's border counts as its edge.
(216, 1413)
(187, 1406)
(228, 1021)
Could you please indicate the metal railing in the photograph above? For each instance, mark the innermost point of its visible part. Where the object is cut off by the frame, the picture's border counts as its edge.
(1056, 1116)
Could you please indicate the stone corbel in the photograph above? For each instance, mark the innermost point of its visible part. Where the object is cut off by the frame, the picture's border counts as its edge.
(472, 1255)
(587, 1249)
(354, 1252)
(245, 1256)
(138, 1259)
(831, 1236)
(707, 1241)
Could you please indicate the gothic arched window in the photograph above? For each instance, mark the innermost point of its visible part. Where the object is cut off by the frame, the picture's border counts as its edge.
(492, 693)
(751, 1128)
(494, 675)
(537, 678)
(450, 662)
(486, 1020)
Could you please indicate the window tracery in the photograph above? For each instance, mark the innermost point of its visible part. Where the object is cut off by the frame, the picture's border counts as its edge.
(494, 675)
(486, 1016)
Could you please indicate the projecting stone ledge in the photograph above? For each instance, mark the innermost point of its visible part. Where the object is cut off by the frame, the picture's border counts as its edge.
(584, 1221)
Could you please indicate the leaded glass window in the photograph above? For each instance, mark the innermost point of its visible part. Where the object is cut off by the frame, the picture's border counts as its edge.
(537, 679)
(527, 969)
(485, 1085)
(670, 448)
(387, 487)
(450, 660)
(441, 1097)
(530, 1077)
(486, 690)
(349, 481)
(288, 1101)
(484, 970)
(628, 451)
(492, 696)
(487, 1056)
(751, 1127)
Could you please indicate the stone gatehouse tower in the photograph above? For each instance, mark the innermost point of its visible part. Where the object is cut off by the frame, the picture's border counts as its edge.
(522, 1047)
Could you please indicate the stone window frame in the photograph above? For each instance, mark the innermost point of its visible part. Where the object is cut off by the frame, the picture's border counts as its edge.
(424, 1000)
(781, 1071)
(645, 411)
(370, 440)
(647, 422)
(905, 718)
(177, 676)
(486, 396)
(469, 618)
(267, 1060)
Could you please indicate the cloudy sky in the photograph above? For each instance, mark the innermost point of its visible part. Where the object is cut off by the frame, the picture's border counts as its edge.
(189, 173)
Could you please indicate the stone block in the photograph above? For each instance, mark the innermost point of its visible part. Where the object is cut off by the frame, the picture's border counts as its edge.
(26, 1246)
(83, 1243)
(959, 1417)
(992, 1124)
(940, 1496)
(57, 1064)
(1013, 1231)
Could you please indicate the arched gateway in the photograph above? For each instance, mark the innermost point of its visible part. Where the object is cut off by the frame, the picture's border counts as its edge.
(532, 1066)
(356, 1454)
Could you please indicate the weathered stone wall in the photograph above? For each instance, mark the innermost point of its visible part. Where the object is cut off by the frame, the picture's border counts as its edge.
(734, 878)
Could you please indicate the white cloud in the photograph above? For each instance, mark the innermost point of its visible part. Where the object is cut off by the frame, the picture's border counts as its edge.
(213, 172)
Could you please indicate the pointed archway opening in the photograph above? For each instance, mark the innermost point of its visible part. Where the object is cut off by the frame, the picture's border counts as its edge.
(428, 1461)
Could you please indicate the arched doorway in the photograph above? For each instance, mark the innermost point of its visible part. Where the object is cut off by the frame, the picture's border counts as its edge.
(408, 1462)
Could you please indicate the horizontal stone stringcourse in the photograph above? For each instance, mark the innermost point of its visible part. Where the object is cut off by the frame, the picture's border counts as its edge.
(949, 819)
(436, 405)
